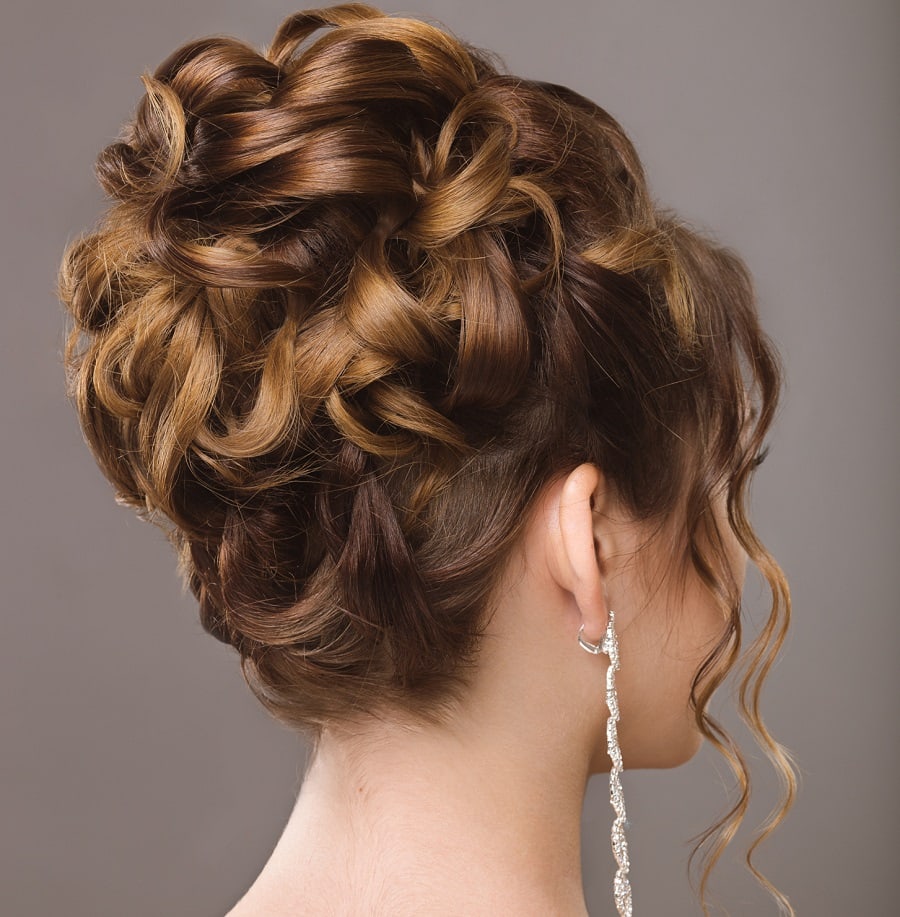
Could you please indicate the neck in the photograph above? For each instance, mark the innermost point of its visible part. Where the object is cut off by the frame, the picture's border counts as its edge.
(483, 819)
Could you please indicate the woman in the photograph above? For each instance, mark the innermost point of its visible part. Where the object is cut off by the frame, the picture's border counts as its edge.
(452, 429)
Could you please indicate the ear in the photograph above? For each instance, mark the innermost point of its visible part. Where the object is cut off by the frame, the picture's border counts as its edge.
(577, 562)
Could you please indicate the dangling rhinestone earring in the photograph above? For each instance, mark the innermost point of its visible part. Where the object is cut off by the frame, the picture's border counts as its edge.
(610, 646)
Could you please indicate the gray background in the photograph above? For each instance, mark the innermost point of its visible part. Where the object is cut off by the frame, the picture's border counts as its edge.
(139, 775)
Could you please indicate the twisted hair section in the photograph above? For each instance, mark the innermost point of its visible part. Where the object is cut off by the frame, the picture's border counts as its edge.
(356, 300)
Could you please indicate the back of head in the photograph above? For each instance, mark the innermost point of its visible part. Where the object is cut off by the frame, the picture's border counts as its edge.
(356, 300)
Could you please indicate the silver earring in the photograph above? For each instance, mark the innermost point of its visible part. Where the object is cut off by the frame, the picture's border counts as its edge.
(609, 645)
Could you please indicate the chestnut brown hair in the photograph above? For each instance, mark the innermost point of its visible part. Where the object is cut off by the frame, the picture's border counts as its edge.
(352, 306)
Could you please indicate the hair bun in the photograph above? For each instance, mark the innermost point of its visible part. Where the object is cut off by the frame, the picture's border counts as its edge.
(357, 299)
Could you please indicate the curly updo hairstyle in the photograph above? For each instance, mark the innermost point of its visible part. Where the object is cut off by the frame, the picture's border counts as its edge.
(352, 306)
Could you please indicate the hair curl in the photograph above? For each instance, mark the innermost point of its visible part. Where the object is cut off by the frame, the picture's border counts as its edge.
(352, 306)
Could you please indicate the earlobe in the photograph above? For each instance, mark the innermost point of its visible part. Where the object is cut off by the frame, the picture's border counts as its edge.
(578, 548)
